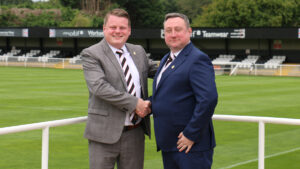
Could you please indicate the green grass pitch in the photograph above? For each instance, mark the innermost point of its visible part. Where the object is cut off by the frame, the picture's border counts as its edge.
(29, 95)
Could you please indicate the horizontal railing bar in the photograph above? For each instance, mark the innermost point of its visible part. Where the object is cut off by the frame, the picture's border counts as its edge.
(274, 120)
(41, 125)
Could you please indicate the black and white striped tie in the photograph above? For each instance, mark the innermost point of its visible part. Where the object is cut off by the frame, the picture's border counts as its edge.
(128, 77)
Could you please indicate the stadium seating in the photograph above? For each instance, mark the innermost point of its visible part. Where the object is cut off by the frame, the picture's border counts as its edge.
(274, 62)
(249, 61)
(223, 59)
(75, 60)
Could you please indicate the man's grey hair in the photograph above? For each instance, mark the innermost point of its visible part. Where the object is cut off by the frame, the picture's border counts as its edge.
(175, 15)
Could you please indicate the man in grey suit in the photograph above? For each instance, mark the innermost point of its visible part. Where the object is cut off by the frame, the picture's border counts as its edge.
(116, 74)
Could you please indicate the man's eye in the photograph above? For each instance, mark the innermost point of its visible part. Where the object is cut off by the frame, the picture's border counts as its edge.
(168, 31)
(178, 29)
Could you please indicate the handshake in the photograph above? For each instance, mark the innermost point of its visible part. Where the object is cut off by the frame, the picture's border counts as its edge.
(143, 108)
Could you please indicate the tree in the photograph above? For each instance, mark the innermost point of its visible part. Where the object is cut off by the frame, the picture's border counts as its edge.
(8, 19)
(13, 2)
(192, 8)
(74, 4)
(144, 13)
(95, 6)
(255, 13)
(45, 19)
(170, 6)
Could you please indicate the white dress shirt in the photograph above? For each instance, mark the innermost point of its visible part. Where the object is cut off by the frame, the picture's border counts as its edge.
(173, 56)
(135, 77)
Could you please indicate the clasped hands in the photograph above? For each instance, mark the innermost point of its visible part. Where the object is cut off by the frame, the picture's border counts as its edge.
(143, 108)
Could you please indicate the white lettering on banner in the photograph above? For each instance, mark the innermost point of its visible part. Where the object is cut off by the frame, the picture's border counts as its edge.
(224, 33)
(95, 33)
(162, 34)
(215, 34)
(238, 33)
(73, 33)
(196, 33)
(7, 33)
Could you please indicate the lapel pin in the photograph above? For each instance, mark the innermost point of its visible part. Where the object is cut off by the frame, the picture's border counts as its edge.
(134, 53)
(173, 67)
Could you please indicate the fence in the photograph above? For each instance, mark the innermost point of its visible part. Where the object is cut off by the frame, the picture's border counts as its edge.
(232, 68)
(237, 68)
(46, 62)
(46, 125)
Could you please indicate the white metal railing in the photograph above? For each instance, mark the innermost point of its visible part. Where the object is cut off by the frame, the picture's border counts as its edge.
(238, 68)
(45, 62)
(46, 125)
(261, 130)
(45, 135)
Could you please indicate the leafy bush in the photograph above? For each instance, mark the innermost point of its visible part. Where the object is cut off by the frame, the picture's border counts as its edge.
(46, 19)
(7, 19)
(81, 21)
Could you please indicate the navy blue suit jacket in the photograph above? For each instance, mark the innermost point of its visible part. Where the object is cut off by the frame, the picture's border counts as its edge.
(184, 101)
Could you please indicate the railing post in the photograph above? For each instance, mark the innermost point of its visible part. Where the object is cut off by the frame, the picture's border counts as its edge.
(280, 66)
(45, 148)
(261, 145)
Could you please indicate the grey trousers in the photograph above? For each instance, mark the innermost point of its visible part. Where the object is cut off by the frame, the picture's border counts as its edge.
(127, 153)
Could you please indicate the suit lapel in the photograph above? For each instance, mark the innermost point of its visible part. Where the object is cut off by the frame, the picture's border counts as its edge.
(111, 56)
(137, 60)
(172, 68)
(162, 63)
(174, 65)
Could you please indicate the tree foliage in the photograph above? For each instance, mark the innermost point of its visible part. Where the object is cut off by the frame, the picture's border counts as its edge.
(74, 4)
(49, 19)
(192, 8)
(8, 19)
(144, 13)
(150, 13)
(255, 13)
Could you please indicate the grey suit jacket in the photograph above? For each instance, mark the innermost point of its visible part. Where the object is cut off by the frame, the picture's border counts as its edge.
(108, 97)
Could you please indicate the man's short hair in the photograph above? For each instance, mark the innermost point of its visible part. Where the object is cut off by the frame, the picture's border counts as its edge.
(117, 12)
(175, 15)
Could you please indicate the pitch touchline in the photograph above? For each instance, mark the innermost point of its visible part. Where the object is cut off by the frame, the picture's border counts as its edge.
(268, 156)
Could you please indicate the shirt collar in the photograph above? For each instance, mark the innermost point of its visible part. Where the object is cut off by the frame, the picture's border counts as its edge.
(174, 55)
(177, 53)
(115, 49)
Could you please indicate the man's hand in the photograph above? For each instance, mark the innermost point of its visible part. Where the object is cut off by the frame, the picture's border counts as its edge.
(184, 143)
(143, 108)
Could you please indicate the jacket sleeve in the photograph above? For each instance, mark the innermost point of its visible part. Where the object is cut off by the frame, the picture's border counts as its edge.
(98, 85)
(202, 80)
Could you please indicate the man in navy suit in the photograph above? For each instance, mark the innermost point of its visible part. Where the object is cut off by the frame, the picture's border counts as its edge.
(184, 99)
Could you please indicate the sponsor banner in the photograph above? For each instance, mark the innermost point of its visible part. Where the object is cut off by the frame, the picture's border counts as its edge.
(215, 33)
(299, 33)
(75, 33)
(13, 32)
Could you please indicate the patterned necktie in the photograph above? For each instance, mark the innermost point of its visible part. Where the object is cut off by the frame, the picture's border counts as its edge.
(169, 60)
(129, 81)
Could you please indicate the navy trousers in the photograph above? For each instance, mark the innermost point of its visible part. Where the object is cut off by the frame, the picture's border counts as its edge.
(192, 160)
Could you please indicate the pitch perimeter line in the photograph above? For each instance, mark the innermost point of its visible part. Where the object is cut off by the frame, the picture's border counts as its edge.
(268, 156)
